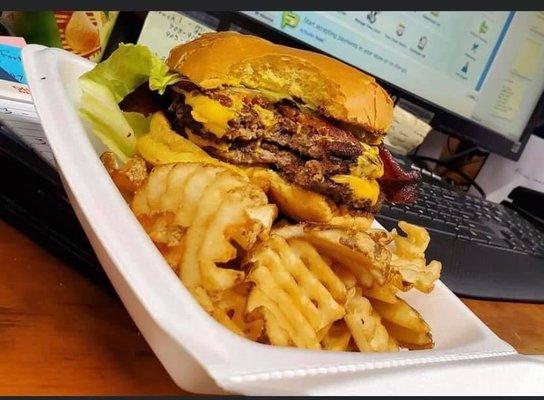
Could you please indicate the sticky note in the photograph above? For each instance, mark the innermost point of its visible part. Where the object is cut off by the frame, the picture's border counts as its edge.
(406, 132)
(163, 30)
(509, 98)
(13, 41)
(538, 23)
(10, 63)
(528, 58)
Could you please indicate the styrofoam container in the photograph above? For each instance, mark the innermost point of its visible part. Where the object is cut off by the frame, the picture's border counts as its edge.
(201, 355)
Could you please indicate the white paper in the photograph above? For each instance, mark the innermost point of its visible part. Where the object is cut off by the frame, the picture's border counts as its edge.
(499, 175)
(407, 131)
(21, 119)
(163, 30)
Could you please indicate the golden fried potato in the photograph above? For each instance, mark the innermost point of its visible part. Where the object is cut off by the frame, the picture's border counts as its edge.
(292, 200)
(337, 337)
(366, 326)
(127, 178)
(386, 293)
(314, 286)
(230, 310)
(215, 211)
(402, 314)
(291, 283)
(162, 145)
(278, 330)
(356, 250)
(409, 258)
(304, 205)
(407, 338)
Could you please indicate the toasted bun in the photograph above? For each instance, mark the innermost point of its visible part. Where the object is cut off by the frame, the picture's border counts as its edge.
(303, 205)
(336, 89)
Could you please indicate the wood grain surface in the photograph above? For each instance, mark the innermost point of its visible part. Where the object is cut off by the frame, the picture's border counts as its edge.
(61, 334)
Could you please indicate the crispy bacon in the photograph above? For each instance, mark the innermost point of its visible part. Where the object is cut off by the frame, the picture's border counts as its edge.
(397, 185)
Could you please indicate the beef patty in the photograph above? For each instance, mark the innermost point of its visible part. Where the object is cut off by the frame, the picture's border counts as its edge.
(302, 147)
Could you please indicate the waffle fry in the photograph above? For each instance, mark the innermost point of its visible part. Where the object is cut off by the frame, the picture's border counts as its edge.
(296, 282)
(409, 258)
(388, 291)
(365, 325)
(304, 285)
(230, 310)
(367, 259)
(409, 339)
(127, 178)
(337, 337)
(206, 231)
(402, 320)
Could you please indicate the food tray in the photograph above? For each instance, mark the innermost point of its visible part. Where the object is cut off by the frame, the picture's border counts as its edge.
(200, 354)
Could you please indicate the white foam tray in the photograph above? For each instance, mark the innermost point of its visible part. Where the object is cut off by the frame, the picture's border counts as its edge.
(201, 355)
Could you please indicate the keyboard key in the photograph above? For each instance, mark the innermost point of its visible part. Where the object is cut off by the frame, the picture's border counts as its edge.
(495, 241)
(432, 214)
(507, 234)
(539, 250)
(479, 239)
(463, 234)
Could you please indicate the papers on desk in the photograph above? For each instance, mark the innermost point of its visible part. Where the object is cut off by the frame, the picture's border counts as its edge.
(407, 131)
(12, 80)
(163, 30)
(17, 112)
(499, 176)
(21, 119)
(11, 67)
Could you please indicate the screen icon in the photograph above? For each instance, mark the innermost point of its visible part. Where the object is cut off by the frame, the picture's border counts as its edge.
(422, 42)
(371, 16)
(289, 18)
(483, 27)
(400, 30)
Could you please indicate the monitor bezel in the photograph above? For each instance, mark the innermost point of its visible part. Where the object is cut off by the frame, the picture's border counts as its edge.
(443, 120)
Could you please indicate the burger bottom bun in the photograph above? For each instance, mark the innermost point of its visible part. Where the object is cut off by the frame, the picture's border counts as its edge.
(306, 206)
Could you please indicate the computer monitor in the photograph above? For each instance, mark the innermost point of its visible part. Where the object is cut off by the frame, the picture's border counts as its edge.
(475, 75)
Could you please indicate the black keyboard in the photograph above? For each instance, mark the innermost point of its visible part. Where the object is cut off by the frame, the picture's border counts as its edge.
(487, 250)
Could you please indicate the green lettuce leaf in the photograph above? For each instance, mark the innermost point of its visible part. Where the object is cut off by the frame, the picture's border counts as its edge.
(109, 82)
(138, 122)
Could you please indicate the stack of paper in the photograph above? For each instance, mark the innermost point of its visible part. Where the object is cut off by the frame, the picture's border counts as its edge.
(17, 111)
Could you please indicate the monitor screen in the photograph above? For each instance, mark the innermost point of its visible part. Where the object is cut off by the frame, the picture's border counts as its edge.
(487, 67)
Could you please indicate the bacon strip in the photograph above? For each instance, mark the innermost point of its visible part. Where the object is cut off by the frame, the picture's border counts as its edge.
(397, 185)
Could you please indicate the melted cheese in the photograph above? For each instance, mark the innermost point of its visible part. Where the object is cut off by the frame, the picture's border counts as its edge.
(267, 116)
(211, 113)
(363, 189)
(369, 164)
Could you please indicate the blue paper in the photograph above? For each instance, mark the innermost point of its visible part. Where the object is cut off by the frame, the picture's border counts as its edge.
(10, 63)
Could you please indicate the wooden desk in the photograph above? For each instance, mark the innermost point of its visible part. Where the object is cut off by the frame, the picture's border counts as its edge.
(60, 334)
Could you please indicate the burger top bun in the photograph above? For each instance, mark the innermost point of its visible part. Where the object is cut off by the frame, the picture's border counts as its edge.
(331, 87)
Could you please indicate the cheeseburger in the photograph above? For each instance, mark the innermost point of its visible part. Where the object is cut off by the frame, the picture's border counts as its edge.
(316, 122)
